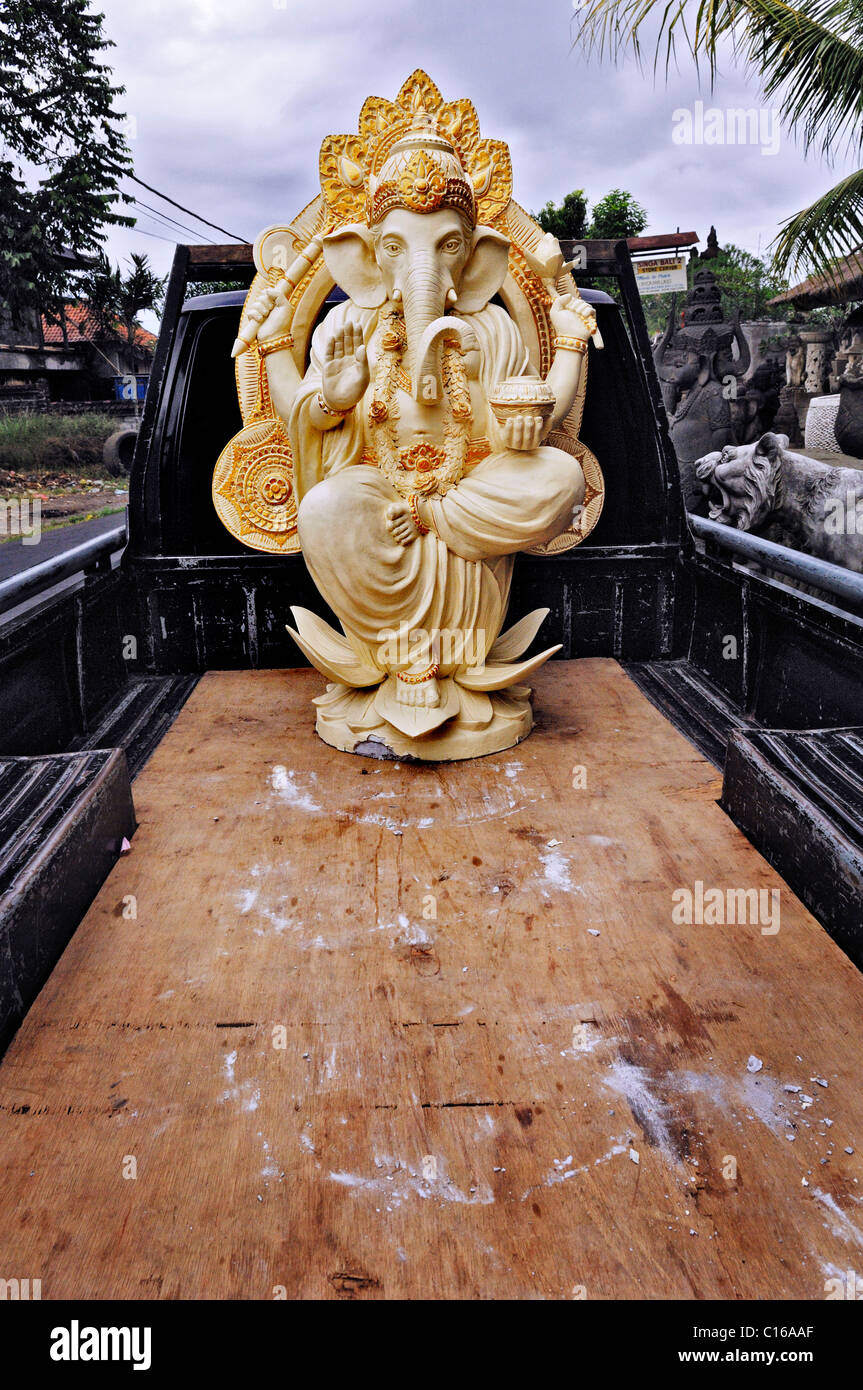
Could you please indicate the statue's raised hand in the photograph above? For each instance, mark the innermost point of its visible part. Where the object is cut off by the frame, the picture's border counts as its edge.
(572, 317)
(346, 368)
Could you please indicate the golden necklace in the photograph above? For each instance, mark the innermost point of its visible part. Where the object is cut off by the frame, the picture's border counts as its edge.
(422, 468)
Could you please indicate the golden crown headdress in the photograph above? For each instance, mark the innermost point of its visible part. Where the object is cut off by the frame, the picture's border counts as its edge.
(421, 173)
(418, 152)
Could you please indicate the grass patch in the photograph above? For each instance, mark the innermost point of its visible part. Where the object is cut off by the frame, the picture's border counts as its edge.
(86, 516)
(67, 443)
(56, 525)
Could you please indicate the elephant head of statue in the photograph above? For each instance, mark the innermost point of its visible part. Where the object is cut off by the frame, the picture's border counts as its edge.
(430, 263)
(696, 354)
(678, 367)
(422, 247)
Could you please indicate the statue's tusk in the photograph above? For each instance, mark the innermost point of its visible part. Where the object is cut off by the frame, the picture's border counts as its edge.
(428, 355)
(291, 278)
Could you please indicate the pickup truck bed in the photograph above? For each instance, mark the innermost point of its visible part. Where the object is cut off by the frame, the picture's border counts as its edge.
(382, 1030)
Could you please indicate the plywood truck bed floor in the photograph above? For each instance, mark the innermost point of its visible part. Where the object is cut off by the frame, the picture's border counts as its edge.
(329, 1092)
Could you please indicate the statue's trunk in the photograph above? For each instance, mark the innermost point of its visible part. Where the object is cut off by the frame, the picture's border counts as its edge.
(669, 396)
(424, 300)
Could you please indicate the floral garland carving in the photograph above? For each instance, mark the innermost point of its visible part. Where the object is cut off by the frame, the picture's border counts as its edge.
(422, 468)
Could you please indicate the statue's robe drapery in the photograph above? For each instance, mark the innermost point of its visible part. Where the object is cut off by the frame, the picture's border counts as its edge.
(456, 581)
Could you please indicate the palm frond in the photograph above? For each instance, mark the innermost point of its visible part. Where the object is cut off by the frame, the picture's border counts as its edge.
(808, 55)
(817, 239)
(611, 28)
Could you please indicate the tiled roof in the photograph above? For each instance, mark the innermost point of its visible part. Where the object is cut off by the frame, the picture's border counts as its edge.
(81, 327)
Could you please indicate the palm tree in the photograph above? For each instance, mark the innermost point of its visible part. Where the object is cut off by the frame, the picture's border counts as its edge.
(808, 57)
(115, 301)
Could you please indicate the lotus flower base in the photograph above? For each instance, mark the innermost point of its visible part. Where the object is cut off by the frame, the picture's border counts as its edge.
(478, 710)
(347, 720)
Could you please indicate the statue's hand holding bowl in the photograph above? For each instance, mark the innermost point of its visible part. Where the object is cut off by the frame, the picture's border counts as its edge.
(523, 407)
(572, 317)
(346, 368)
(523, 432)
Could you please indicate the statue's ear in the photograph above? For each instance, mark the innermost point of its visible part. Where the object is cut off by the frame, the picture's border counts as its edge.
(706, 467)
(350, 257)
(770, 446)
(485, 271)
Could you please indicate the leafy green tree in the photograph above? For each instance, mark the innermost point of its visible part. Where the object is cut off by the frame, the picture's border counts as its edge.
(747, 283)
(115, 300)
(808, 58)
(196, 287)
(617, 216)
(566, 221)
(139, 290)
(62, 148)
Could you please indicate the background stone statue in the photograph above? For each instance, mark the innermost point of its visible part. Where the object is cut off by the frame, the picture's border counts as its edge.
(700, 378)
(787, 498)
(754, 407)
(849, 418)
(795, 363)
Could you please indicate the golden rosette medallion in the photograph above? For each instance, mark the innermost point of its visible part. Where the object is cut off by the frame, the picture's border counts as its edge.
(253, 488)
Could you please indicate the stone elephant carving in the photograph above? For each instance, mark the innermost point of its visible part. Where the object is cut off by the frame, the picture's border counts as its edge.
(699, 377)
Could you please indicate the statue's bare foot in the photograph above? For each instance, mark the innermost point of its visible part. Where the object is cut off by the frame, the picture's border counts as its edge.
(425, 695)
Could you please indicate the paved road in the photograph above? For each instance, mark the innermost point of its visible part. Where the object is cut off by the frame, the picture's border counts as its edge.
(15, 556)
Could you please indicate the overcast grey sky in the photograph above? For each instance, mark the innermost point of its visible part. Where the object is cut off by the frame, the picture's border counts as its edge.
(228, 101)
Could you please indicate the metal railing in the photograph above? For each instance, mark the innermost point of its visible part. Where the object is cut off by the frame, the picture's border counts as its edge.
(89, 556)
(843, 584)
(95, 554)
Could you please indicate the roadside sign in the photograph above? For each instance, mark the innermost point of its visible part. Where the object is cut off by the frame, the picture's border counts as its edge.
(660, 274)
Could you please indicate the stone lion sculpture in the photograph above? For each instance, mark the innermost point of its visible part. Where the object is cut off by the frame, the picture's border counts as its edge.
(788, 498)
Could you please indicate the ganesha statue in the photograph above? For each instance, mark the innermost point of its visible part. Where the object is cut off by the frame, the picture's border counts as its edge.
(412, 437)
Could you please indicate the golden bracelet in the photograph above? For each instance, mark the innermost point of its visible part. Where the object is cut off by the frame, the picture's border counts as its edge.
(427, 675)
(570, 344)
(284, 340)
(413, 504)
(328, 410)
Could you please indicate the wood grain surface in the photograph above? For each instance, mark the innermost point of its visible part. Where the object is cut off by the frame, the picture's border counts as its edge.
(416, 1031)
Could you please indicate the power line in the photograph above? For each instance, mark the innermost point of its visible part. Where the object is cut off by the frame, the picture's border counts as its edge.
(144, 232)
(134, 177)
(155, 218)
(234, 235)
(163, 217)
